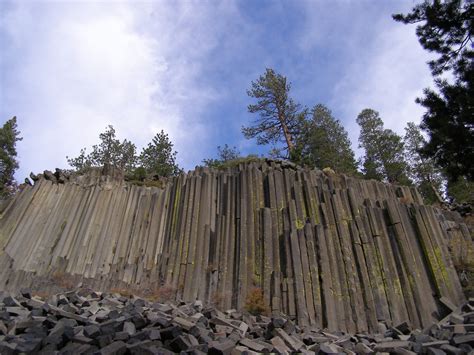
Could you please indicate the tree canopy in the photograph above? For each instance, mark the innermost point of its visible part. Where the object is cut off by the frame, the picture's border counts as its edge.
(445, 28)
(384, 155)
(324, 142)
(9, 135)
(224, 154)
(109, 153)
(157, 158)
(279, 115)
(422, 170)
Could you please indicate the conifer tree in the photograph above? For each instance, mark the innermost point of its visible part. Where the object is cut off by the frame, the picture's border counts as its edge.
(225, 154)
(422, 170)
(109, 153)
(279, 115)
(446, 28)
(158, 158)
(9, 135)
(325, 143)
(384, 150)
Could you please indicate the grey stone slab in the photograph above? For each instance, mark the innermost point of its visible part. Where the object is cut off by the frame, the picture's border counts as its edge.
(292, 342)
(390, 345)
(452, 350)
(461, 339)
(253, 345)
(115, 348)
(221, 347)
(435, 351)
(129, 328)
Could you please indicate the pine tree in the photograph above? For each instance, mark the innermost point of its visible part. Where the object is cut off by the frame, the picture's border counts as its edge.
(9, 135)
(158, 158)
(422, 170)
(446, 28)
(384, 150)
(325, 143)
(279, 116)
(225, 154)
(109, 153)
(461, 191)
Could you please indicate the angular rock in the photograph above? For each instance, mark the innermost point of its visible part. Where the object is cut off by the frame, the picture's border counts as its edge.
(129, 327)
(253, 345)
(221, 348)
(115, 348)
(392, 345)
(293, 343)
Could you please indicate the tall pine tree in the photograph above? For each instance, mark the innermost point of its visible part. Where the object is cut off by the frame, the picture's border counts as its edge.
(384, 154)
(9, 135)
(325, 143)
(422, 170)
(279, 115)
(446, 28)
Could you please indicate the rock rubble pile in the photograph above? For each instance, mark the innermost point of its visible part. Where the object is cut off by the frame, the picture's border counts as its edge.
(87, 322)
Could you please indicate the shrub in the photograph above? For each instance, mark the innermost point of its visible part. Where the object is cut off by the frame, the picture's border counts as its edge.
(63, 280)
(165, 293)
(255, 303)
(128, 293)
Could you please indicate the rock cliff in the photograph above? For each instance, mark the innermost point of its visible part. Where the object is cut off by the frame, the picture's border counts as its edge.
(328, 250)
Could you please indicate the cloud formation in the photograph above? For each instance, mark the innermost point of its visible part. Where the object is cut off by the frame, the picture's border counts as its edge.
(80, 67)
(68, 70)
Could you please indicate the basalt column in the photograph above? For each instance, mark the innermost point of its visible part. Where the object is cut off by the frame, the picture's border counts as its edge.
(328, 250)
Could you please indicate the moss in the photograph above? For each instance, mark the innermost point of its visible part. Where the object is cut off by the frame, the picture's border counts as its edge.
(397, 287)
(442, 267)
(299, 224)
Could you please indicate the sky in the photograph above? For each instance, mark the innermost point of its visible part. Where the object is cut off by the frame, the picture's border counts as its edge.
(69, 69)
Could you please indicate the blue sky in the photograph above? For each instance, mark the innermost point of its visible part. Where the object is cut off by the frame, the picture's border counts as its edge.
(68, 69)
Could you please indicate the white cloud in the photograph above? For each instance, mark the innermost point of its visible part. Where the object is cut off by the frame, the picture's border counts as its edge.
(387, 75)
(75, 68)
(69, 69)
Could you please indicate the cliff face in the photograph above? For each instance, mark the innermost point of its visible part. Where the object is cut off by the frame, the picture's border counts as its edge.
(331, 251)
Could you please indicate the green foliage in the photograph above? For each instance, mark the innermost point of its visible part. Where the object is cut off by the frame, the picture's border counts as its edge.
(9, 135)
(449, 121)
(384, 150)
(279, 116)
(158, 158)
(324, 142)
(461, 191)
(230, 163)
(138, 174)
(422, 170)
(109, 153)
(445, 28)
(255, 303)
(225, 154)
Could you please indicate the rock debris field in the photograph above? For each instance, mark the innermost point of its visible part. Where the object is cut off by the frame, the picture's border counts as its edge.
(87, 322)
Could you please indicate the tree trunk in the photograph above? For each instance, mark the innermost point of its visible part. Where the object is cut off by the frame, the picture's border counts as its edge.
(286, 132)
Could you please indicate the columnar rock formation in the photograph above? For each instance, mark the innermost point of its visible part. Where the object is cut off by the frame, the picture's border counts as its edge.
(328, 250)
